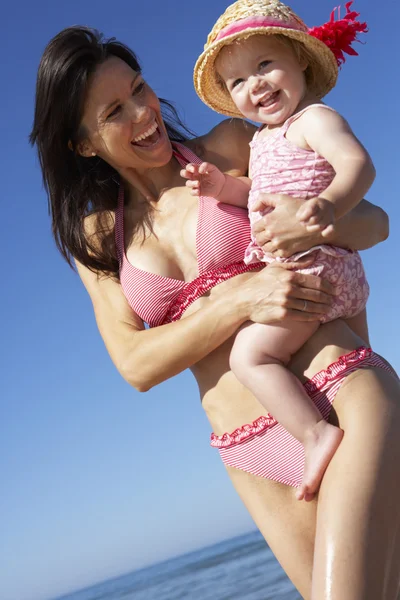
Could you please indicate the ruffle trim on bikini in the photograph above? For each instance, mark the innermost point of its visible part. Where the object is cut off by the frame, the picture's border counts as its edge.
(243, 433)
(316, 383)
(320, 379)
(199, 286)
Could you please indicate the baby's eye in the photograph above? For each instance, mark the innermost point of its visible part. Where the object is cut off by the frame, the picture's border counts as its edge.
(236, 83)
(264, 64)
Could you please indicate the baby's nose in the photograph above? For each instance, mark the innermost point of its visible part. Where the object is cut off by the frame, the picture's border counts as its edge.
(255, 84)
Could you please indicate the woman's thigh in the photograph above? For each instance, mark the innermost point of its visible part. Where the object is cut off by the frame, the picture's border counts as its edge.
(357, 550)
(287, 525)
(358, 500)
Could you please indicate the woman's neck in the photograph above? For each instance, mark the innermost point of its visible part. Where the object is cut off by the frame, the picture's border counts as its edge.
(149, 184)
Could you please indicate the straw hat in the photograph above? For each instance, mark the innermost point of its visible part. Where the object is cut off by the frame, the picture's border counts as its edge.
(250, 17)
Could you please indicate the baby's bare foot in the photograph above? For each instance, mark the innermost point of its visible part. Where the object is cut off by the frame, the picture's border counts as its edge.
(319, 447)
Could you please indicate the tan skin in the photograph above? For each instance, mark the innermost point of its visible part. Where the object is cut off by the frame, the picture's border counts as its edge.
(322, 545)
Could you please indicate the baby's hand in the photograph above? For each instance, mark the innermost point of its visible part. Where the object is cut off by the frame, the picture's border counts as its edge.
(204, 179)
(317, 214)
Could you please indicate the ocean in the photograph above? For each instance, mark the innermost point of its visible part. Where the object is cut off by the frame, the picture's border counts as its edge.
(241, 568)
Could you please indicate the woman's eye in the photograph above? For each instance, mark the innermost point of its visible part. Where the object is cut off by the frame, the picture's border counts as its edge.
(114, 112)
(139, 88)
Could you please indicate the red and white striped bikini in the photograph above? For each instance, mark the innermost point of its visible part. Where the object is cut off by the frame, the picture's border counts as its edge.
(262, 448)
(222, 235)
(266, 449)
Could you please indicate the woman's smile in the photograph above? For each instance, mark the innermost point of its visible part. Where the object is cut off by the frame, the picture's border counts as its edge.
(152, 137)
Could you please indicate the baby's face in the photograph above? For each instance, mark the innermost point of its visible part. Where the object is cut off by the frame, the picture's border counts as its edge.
(264, 78)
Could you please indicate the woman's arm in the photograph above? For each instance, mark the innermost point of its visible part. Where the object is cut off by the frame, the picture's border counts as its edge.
(281, 233)
(146, 357)
(362, 228)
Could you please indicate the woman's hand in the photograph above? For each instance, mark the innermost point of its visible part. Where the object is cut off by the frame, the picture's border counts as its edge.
(277, 293)
(280, 232)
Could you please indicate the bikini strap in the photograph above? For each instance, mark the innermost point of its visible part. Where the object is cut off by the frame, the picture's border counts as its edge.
(184, 155)
(290, 120)
(180, 158)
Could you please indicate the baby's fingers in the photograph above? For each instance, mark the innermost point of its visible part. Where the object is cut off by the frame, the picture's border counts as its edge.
(190, 172)
(205, 168)
(193, 184)
(194, 187)
(186, 174)
(192, 168)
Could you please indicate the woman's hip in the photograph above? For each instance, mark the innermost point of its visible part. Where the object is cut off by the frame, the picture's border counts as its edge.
(264, 448)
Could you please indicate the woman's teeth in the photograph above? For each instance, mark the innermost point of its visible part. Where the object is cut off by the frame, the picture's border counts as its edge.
(146, 133)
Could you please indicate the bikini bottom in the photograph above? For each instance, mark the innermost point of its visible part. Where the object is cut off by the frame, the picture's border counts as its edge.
(266, 449)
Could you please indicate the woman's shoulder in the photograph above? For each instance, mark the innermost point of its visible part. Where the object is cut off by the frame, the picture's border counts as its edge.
(97, 226)
(99, 256)
(226, 145)
(96, 223)
(229, 131)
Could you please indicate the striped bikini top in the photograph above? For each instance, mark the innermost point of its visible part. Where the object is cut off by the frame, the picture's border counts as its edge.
(222, 235)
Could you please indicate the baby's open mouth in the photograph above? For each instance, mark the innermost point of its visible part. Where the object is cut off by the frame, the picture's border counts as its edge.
(269, 100)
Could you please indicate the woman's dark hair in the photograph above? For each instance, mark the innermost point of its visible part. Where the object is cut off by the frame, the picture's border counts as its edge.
(78, 186)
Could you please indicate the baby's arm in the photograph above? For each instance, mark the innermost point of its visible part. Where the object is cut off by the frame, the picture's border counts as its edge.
(207, 180)
(328, 134)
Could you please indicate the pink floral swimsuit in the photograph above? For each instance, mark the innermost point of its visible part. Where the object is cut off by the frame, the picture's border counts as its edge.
(279, 167)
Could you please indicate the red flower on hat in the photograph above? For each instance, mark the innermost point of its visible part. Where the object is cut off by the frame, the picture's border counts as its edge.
(339, 35)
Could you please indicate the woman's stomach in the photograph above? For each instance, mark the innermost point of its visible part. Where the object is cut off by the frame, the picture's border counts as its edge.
(227, 403)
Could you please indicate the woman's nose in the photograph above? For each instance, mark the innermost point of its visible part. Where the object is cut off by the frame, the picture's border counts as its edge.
(138, 112)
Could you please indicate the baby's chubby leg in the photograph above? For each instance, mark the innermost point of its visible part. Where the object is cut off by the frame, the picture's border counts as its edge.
(258, 359)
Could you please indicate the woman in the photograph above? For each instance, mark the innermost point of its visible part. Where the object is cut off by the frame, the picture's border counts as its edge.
(98, 123)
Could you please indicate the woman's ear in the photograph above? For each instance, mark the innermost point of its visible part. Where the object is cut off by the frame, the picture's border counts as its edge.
(85, 149)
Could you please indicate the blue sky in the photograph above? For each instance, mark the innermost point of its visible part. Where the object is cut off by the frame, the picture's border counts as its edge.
(98, 479)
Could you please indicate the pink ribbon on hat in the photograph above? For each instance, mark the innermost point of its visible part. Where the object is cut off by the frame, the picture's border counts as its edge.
(253, 23)
(338, 35)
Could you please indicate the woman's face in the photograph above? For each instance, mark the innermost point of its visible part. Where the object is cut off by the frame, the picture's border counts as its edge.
(122, 119)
